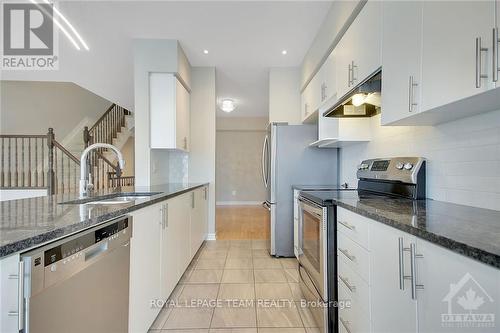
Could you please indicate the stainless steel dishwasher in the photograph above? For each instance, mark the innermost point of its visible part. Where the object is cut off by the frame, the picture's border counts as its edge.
(78, 284)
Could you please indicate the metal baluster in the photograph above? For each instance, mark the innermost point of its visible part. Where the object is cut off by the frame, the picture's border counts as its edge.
(36, 162)
(10, 166)
(2, 176)
(62, 173)
(43, 163)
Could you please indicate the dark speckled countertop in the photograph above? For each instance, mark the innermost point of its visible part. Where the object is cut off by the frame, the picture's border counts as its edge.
(28, 223)
(469, 231)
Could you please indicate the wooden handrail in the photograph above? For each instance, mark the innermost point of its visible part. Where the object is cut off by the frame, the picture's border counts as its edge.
(22, 136)
(102, 117)
(66, 152)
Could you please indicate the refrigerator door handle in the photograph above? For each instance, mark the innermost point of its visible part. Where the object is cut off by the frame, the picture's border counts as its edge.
(263, 160)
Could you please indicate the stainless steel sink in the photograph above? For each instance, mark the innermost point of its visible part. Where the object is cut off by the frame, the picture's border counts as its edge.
(118, 199)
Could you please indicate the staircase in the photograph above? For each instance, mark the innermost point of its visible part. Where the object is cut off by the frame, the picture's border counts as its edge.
(41, 162)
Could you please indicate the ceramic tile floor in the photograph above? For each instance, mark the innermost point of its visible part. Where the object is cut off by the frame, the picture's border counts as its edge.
(234, 286)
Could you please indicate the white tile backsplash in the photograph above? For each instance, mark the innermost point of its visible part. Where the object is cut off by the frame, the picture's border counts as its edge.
(463, 157)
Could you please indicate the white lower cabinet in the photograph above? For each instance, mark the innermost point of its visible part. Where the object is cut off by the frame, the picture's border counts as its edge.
(145, 268)
(393, 309)
(9, 281)
(459, 294)
(413, 285)
(165, 237)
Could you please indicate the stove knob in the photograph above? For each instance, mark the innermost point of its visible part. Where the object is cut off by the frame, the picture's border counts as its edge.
(400, 166)
(408, 166)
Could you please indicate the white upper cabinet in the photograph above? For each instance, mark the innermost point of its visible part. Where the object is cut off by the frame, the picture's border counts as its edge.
(329, 75)
(455, 62)
(358, 52)
(169, 103)
(311, 100)
(401, 59)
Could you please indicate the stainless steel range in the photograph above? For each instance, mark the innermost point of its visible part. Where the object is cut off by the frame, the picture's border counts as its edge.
(399, 177)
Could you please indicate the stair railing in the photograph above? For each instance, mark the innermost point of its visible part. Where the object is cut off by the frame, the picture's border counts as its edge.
(37, 162)
(104, 130)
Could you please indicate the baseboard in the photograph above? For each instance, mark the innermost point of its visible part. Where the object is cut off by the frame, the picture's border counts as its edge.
(211, 236)
(239, 203)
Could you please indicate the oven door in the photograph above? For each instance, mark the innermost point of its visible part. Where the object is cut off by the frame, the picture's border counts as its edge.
(313, 244)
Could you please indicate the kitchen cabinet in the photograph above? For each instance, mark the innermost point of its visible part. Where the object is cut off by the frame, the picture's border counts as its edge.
(401, 59)
(392, 306)
(169, 257)
(311, 97)
(329, 79)
(454, 284)
(9, 282)
(199, 215)
(145, 267)
(169, 105)
(358, 52)
(179, 219)
(449, 60)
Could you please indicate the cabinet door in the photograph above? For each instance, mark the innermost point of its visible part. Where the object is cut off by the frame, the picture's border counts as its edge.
(330, 77)
(198, 219)
(162, 101)
(9, 279)
(365, 41)
(455, 285)
(145, 268)
(449, 50)
(344, 57)
(393, 309)
(170, 272)
(179, 215)
(182, 116)
(401, 59)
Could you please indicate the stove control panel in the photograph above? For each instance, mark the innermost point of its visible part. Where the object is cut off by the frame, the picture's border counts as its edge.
(403, 169)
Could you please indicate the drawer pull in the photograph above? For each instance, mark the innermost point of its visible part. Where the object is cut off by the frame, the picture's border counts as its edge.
(346, 324)
(347, 225)
(346, 282)
(13, 313)
(346, 253)
(13, 277)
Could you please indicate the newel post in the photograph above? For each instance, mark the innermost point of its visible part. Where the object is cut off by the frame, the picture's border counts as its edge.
(86, 136)
(50, 171)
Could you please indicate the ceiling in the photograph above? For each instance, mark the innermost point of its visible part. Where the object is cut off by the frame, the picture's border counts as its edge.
(243, 39)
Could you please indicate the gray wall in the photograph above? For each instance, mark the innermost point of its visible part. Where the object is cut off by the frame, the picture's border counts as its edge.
(238, 160)
(31, 107)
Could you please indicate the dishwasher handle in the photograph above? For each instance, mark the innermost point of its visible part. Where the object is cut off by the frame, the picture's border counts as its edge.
(96, 251)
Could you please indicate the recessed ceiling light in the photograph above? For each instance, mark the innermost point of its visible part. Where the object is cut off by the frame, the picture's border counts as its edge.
(227, 105)
(205, 51)
(284, 52)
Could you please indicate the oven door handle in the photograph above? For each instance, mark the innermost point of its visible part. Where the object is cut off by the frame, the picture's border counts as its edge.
(311, 208)
(316, 290)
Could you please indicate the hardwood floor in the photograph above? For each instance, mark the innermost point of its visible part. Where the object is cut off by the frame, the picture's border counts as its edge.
(242, 222)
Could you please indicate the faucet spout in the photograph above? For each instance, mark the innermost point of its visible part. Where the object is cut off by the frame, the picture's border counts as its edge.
(84, 181)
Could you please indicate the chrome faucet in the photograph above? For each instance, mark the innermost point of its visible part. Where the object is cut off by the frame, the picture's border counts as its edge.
(85, 185)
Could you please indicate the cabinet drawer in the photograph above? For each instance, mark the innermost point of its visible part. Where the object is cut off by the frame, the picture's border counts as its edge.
(356, 257)
(355, 226)
(352, 319)
(8, 289)
(357, 288)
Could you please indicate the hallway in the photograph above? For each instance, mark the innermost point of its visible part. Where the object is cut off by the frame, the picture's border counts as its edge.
(242, 222)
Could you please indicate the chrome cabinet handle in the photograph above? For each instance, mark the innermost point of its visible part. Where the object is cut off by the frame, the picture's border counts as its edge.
(345, 323)
(479, 49)
(166, 215)
(349, 75)
(401, 264)
(192, 200)
(495, 54)
(306, 106)
(353, 78)
(347, 225)
(346, 253)
(414, 285)
(411, 93)
(347, 284)
(20, 297)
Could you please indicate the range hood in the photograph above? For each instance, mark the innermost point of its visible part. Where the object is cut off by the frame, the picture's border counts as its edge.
(364, 100)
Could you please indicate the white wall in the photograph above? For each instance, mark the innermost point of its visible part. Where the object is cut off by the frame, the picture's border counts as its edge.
(463, 157)
(31, 107)
(203, 122)
(339, 17)
(284, 95)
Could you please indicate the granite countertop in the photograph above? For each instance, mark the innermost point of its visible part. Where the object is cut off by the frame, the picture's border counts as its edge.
(29, 223)
(322, 187)
(469, 231)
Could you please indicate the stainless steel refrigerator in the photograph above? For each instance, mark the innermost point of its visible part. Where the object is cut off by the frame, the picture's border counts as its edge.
(287, 159)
